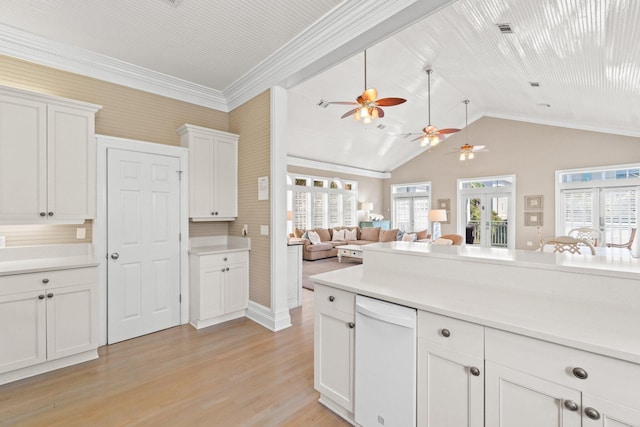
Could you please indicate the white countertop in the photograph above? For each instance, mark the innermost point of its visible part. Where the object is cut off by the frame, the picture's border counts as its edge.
(33, 259)
(582, 309)
(218, 244)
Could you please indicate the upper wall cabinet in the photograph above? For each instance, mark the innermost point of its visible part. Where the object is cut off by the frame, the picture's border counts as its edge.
(47, 158)
(213, 173)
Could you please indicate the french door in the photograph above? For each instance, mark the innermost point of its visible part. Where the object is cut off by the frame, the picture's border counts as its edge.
(486, 211)
(614, 211)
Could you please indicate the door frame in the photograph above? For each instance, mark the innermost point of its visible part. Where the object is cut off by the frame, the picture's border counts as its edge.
(104, 143)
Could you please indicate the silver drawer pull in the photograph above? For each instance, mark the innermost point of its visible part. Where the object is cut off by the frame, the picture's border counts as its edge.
(571, 405)
(592, 413)
(580, 373)
(445, 333)
(331, 298)
(474, 371)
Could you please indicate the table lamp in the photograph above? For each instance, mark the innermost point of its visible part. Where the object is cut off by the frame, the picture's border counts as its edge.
(435, 217)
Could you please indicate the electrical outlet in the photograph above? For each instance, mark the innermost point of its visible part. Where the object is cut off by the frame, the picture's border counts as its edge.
(81, 233)
(529, 243)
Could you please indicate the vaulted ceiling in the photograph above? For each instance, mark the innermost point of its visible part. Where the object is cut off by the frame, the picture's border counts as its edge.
(583, 54)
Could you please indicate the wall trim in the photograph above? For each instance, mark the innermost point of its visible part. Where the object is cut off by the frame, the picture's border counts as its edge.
(332, 167)
(274, 321)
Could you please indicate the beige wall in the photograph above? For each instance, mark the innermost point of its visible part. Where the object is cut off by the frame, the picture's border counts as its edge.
(252, 122)
(530, 151)
(45, 234)
(369, 189)
(125, 113)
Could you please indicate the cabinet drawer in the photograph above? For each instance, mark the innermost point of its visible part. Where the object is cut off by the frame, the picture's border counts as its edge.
(614, 379)
(28, 282)
(223, 259)
(329, 299)
(463, 337)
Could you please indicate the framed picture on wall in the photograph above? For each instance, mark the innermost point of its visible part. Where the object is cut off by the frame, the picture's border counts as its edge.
(444, 204)
(533, 219)
(533, 203)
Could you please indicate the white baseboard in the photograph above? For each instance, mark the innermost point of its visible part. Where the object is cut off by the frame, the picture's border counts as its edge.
(41, 368)
(267, 318)
(338, 410)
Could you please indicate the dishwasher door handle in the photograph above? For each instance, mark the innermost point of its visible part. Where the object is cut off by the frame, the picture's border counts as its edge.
(384, 317)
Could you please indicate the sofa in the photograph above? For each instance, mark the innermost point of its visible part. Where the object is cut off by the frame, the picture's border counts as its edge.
(326, 248)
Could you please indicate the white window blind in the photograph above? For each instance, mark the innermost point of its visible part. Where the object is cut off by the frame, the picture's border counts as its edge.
(577, 209)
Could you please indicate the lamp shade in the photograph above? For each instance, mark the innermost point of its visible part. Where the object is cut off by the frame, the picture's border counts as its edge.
(366, 206)
(437, 215)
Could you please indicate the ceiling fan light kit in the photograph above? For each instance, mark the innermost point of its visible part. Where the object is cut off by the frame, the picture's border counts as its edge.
(467, 151)
(367, 104)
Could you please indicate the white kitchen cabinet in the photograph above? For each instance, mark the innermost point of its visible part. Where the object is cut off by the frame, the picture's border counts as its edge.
(47, 158)
(219, 287)
(450, 372)
(46, 320)
(536, 383)
(294, 275)
(334, 345)
(213, 173)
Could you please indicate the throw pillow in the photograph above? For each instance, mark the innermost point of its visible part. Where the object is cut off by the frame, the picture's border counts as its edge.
(338, 236)
(351, 235)
(305, 235)
(409, 237)
(370, 233)
(400, 234)
(314, 238)
(388, 235)
(324, 234)
(298, 233)
(422, 235)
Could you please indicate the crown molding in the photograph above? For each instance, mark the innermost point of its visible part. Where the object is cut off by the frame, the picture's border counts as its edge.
(332, 167)
(29, 47)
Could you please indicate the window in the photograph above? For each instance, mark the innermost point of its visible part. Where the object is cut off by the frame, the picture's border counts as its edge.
(605, 198)
(410, 203)
(318, 202)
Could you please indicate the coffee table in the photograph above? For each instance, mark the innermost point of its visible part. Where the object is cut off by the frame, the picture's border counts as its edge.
(351, 251)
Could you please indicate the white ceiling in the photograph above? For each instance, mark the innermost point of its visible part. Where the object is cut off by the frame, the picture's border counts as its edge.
(584, 53)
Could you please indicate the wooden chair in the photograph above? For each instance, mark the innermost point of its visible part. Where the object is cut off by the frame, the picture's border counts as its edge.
(624, 245)
(570, 244)
(589, 234)
(541, 240)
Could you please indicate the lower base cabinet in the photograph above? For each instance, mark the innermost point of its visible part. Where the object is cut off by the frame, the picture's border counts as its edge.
(473, 376)
(50, 325)
(334, 345)
(219, 286)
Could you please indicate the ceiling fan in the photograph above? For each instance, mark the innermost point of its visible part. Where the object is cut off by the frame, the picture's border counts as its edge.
(467, 151)
(430, 134)
(368, 107)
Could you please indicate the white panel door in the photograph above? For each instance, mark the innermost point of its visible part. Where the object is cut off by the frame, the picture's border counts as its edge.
(143, 243)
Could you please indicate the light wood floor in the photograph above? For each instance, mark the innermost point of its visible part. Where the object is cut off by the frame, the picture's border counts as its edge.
(235, 374)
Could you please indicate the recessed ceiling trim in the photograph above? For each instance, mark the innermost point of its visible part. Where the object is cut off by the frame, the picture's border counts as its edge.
(29, 47)
(314, 164)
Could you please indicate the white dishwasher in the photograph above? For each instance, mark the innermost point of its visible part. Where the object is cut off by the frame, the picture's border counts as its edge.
(385, 364)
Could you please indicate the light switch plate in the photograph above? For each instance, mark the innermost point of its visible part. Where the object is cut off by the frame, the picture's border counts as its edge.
(264, 230)
(81, 233)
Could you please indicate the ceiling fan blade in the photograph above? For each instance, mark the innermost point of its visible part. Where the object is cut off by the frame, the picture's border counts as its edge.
(349, 113)
(343, 102)
(418, 138)
(380, 112)
(370, 94)
(479, 148)
(389, 102)
(447, 131)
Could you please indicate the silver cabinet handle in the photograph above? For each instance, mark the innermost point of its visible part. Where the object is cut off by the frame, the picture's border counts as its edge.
(115, 255)
(592, 413)
(50, 214)
(40, 296)
(580, 373)
(45, 280)
(445, 333)
(474, 371)
(49, 295)
(332, 298)
(227, 269)
(571, 405)
(43, 214)
(351, 325)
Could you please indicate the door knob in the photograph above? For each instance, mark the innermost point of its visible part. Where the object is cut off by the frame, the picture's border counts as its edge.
(115, 255)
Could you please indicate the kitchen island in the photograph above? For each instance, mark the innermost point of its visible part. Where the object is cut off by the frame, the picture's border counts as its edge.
(528, 323)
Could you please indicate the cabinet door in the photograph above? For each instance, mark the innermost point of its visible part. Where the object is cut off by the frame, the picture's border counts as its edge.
(71, 320)
(71, 164)
(201, 197)
(236, 287)
(211, 292)
(23, 335)
(598, 412)
(334, 356)
(23, 159)
(517, 399)
(225, 177)
(448, 393)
